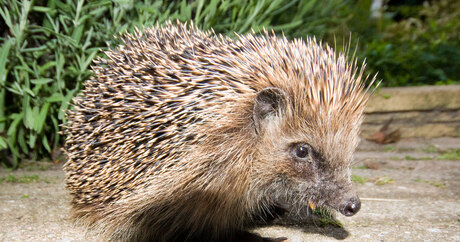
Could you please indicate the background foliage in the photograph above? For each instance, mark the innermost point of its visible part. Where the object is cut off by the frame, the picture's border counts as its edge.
(413, 44)
(47, 48)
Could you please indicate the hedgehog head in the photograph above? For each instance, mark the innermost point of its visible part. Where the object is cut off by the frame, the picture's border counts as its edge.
(306, 125)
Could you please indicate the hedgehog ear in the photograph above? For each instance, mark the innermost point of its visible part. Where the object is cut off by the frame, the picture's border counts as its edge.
(267, 103)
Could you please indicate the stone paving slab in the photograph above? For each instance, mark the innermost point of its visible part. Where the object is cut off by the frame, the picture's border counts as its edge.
(391, 99)
(427, 111)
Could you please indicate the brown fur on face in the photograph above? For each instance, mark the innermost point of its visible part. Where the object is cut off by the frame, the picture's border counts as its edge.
(184, 134)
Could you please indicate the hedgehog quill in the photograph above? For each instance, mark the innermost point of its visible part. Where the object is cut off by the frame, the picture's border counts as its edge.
(188, 135)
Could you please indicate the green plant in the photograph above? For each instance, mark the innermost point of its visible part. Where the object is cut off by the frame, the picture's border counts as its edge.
(453, 154)
(45, 60)
(410, 44)
(389, 148)
(431, 149)
(384, 180)
(433, 183)
(326, 217)
(408, 157)
(358, 179)
(422, 48)
(24, 179)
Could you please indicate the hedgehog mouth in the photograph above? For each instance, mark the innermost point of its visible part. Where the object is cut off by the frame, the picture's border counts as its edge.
(302, 208)
(290, 214)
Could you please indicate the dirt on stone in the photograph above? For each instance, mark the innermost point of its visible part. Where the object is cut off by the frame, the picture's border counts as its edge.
(410, 191)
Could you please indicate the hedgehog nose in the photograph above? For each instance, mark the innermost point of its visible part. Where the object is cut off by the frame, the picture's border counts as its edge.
(352, 207)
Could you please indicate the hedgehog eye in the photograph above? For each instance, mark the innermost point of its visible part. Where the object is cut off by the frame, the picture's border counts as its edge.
(302, 151)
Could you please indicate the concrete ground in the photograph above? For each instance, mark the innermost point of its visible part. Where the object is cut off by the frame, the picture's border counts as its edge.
(410, 191)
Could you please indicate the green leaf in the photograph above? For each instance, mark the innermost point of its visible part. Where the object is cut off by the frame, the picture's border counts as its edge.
(45, 143)
(44, 10)
(29, 117)
(41, 118)
(290, 25)
(32, 140)
(89, 59)
(34, 49)
(56, 97)
(13, 148)
(45, 67)
(19, 33)
(77, 33)
(22, 141)
(5, 13)
(13, 129)
(28, 91)
(41, 81)
(56, 131)
(65, 103)
(4, 52)
(3, 143)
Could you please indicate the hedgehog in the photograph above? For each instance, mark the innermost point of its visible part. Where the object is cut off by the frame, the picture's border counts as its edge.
(188, 135)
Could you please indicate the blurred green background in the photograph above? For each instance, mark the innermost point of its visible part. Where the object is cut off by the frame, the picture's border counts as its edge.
(47, 48)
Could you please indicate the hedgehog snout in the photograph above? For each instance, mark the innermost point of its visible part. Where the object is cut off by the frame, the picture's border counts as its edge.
(351, 206)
